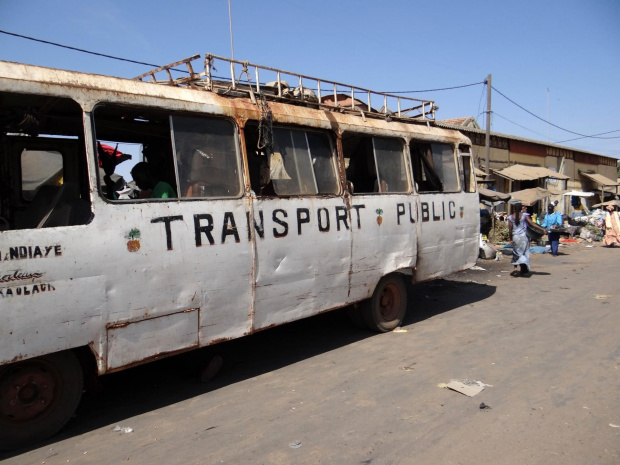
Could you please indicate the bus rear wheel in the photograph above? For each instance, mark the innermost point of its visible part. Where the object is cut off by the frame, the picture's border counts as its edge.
(388, 305)
(38, 397)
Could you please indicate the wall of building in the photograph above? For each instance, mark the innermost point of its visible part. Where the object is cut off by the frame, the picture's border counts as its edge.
(505, 151)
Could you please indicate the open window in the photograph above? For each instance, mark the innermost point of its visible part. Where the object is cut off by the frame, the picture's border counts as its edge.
(434, 167)
(128, 136)
(43, 174)
(374, 164)
(295, 162)
(468, 179)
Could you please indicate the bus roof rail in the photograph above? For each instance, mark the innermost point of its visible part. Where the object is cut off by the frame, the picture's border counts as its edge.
(273, 83)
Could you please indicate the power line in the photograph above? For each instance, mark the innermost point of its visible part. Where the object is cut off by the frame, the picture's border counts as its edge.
(548, 122)
(434, 90)
(517, 124)
(593, 135)
(79, 49)
(182, 70)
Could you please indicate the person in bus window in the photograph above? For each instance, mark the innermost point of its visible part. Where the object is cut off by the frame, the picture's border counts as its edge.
(147, 182)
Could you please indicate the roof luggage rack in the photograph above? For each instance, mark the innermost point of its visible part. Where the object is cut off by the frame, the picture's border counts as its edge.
(311, 91)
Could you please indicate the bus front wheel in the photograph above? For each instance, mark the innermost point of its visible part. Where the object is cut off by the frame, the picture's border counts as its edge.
(38, 397)
(386, 309)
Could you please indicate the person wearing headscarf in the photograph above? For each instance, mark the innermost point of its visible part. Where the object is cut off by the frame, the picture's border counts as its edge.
(518, 222)
(612, 227)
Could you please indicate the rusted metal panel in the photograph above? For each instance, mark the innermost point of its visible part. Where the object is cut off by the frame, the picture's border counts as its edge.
(135, 341)
(49, 299)
(383, 239)
(448, 234)
(303, 258)
(88, 88)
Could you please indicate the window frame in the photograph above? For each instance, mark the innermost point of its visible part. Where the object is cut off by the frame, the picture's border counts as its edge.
(305, 131)
(424, 163)
(169, 114)
(238, 154)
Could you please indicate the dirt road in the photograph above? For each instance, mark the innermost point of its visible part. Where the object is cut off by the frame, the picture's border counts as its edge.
(321, 391)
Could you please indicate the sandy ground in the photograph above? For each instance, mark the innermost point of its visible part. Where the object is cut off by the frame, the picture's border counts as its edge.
(322, 391)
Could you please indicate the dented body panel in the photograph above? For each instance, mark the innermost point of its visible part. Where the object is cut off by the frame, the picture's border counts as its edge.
(143, 279)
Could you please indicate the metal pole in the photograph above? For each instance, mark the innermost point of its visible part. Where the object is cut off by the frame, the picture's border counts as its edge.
(487, 139)
(548, 118)
(232, 48)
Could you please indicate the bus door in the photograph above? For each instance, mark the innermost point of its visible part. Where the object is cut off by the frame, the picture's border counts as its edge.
(383, 212)
(44, 210)
(175, 233)
(471, 207)
(448, 216)
(300, 225)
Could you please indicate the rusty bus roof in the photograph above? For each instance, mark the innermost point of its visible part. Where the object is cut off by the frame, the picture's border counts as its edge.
(90, 89)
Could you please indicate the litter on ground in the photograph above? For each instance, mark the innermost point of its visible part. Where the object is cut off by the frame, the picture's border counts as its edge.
(465, 386)
(125, 429)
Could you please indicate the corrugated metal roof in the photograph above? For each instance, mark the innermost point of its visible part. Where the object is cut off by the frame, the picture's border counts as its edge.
(600, 179)
(447, 125)
(528, 173)
(531, 196)
(493, 196)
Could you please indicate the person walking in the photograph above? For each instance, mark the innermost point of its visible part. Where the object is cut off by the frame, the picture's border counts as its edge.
(612, 227)
(518, 222)
(550, 222)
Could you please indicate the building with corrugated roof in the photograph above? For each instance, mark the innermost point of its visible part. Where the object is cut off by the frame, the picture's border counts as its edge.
(586, 171)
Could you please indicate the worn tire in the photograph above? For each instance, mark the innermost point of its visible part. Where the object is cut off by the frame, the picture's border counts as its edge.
(38, 397)
(388, 305)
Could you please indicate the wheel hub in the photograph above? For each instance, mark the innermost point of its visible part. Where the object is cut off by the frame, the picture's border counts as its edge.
(389, 302)
(26, 393)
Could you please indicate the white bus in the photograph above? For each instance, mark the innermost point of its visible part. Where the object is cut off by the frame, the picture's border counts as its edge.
(260, 204)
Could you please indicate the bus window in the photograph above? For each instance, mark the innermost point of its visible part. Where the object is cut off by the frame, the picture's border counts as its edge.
(40, 168)
(392, 173)
(298, 162)
(207, 157)
(374, 164)
(43, 174)
(434, 167)
(129, 135)
(467, 178)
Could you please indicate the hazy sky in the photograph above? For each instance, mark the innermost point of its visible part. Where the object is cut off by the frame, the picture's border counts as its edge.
(559, 59)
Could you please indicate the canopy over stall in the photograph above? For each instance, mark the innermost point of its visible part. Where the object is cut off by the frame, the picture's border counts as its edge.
(579, 194)
(529, 173)
(609, 202)
(530, 196)
(601, 180)
(492, 196)
(482, 178)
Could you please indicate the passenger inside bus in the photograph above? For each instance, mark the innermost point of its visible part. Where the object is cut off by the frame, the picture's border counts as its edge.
(149, 184)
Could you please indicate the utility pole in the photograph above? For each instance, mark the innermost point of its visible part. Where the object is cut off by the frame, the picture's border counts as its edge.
(487, 140)
(548, 118)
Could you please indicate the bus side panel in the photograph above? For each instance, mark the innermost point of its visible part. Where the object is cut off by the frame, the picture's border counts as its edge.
(447, 234)
(303, 260)
(383, 242)
(191, 254)
(51, 297)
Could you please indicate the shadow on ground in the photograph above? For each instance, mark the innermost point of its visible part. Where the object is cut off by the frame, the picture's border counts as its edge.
(149, 387)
